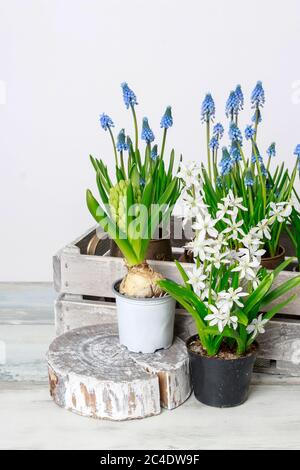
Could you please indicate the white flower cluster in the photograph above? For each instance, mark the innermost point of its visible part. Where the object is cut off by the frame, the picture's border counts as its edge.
(215, 247)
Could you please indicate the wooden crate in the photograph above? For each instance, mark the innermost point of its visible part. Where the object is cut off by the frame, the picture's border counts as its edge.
(84, 283)
(279, 347)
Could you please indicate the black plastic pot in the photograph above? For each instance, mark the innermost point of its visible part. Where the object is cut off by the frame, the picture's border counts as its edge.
(220, 382)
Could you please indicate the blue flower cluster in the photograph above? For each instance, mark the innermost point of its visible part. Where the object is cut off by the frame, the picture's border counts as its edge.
(121, 141)
(226, 162)
(235, 134)
(167, 119)
(253, 158)
(128, 95)
(218, 130)
(154, 154)
(249, 181)
(235, 153)
(258, 95)
(240, 96)
(232, 105)
(147, 133)
(271, 151)
(106, 122)
(214, 143)
(297, 151)
(263, 170)
(208, 109)
(249, 132)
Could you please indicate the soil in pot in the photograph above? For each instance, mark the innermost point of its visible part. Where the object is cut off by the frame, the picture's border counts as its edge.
(271, 262)
(221, 381)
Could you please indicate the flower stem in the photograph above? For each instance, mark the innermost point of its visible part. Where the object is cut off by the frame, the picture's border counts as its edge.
(136, 132)
(114, 145)
(122, 164)
(208, 148)
(163, 144)
(256, 123)
(242, 154)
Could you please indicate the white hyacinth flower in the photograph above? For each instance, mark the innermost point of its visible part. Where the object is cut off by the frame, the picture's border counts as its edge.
(199, 246)
(262, 229)
(235, 202)
(247, 267)
(256, 326)
(232, 296)
(280, 210)
(221, 317)
(234, 227)
(190, 174)
(254, 252)
(206, 225)
(217, 258)
(196, 279)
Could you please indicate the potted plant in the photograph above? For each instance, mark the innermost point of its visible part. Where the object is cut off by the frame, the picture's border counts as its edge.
(138, 166)
(245, 173)
(228, 293)
(130, 211)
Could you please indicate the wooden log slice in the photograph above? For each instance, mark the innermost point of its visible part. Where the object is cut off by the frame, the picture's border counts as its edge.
(92, 375)
(173, 369)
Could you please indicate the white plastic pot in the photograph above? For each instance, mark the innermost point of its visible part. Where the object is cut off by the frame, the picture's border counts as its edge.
(145, 325)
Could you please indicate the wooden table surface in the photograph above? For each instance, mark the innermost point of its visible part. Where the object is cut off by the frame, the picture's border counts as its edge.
(270, 419)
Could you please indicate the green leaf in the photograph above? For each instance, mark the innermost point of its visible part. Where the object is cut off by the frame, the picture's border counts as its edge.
(101, 189)
(183, 274)
(277, 308)
(281, 290)
(259, 293)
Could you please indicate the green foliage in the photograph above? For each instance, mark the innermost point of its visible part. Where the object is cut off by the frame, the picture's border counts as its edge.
(258, 301)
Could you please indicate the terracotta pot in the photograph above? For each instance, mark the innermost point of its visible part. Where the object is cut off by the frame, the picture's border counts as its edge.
(159, 250)
(273, 261)
(186, 257)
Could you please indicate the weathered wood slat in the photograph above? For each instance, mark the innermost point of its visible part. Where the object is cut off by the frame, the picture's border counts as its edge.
(91, 374)
(75, 273)
(280, 343)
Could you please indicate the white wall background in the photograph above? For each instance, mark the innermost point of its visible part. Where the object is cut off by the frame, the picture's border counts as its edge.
(61, 64)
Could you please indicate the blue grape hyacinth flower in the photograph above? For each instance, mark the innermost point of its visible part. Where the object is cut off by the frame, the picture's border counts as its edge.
(232, 105)
(105, 121)
(240, 97)
(208, 109)
(257, 116)
(297, 151)
(121, 141)
(253, 158)
(235, 134)
(214, 143)
(271, 150)
(263, 170)
(235, 153)
(167, 119)
(258, 95)
(154, 154)
(249, 181)
(147, 133)
(226, 163)
(249, 132)
(218, 130)
(129, 96)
